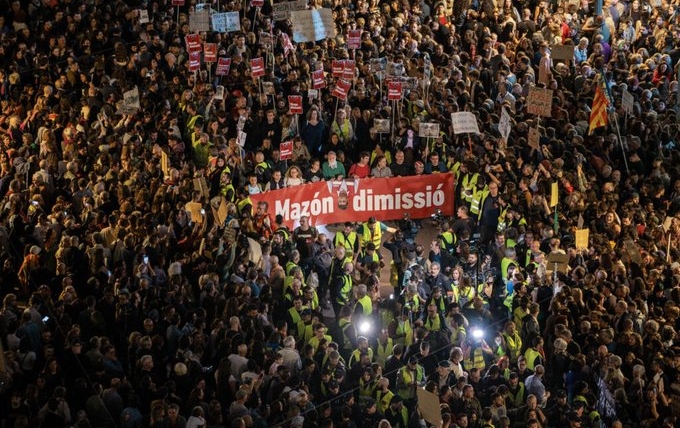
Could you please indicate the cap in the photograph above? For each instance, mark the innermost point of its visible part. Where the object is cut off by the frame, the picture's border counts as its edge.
(577, 404)
(306, 311)
(445, 364)
(396, 399)
(35, 250)
(561, 394)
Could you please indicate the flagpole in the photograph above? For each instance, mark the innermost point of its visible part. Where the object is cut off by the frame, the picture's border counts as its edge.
(623, 148)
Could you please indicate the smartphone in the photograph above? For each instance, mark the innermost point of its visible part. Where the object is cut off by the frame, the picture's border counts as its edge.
(46, 318)
(146, 260)
(34, 203)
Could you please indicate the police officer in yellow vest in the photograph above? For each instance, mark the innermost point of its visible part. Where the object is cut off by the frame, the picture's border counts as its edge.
(371, 231)
(452, 163)
(410, 378)
(364, 305)
(349, 333)
(364, 263)
(468, 181)
(447, 238)
(383, 347)
(295, 324)
(319, 334)
(402, 328)
(341, 289)
(362, 348)
(383, 395)
(349, 239)
(397, 414)
(478, 195)
(244, 205)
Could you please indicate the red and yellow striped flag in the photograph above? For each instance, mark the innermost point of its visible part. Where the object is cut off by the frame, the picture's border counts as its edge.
(598, 114)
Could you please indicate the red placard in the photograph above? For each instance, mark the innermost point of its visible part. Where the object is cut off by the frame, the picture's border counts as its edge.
(210, 52)
(193, 43)
(394, 90)
(339, 201)
(348, 69)
(318, 80)
(295, 104)
(257, 3)
(257, 66)
(354, 39)
(194, 61)
(342, 89)
(337, 66)
(223, 66)
(286, 150)
(178, 2)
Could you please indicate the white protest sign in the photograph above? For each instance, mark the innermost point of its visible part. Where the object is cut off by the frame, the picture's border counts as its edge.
(130, 103)
(627, 101)
(540, 101)
(312, 25)
(143, 16)
(219, 92)
(381, 126)
(504, 125)
(241, 138)
(226, 22)
(281, 11)
(464, 122)
(199, 21)
(428, 130)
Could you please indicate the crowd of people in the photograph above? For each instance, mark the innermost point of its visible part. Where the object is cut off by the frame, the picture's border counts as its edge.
(127, 303)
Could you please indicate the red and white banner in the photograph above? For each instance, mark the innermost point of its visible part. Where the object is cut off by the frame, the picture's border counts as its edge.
(194, 61)
(286, 150)
(210, 52)
(295, 104)
(348, 69)
(193, 43)
(394, 91)
(318, 79)
(328, 202)
(223, 66)
(354, 39)
(257, 3)
(257, 65)
(178, 2)
(342, 89)
(337, 66)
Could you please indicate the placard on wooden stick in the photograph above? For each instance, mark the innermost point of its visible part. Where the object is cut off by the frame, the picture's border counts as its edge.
(558, 261)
